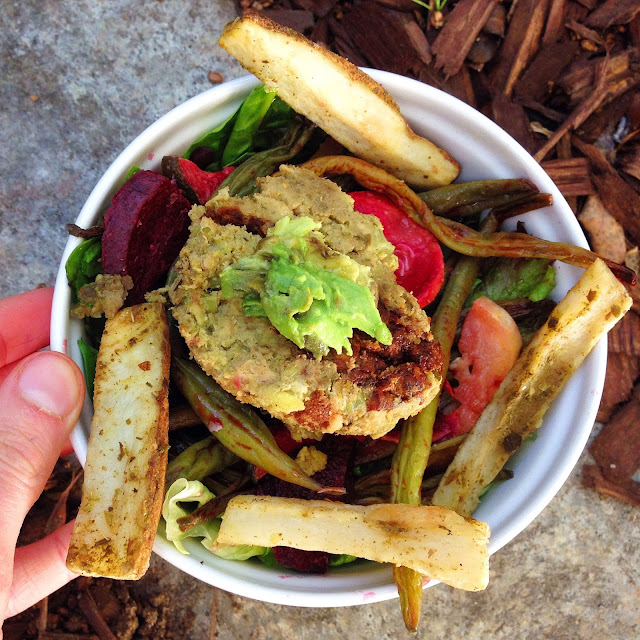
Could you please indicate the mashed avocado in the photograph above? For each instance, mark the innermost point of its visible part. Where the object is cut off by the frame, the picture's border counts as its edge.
(309, 293)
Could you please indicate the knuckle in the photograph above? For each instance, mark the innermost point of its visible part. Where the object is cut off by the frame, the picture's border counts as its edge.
(21, 461)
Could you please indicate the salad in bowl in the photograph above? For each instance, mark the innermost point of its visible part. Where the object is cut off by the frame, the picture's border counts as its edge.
(318, 364)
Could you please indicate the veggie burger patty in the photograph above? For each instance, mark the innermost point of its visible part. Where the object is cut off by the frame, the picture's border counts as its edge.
(362, 393)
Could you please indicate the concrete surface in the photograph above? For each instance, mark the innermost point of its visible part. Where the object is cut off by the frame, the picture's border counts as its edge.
(79, 79)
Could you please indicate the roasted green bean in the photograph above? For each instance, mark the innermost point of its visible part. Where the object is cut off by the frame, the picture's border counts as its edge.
(411, 457)
(467, 198)
(242, 181)
(526, 204)
(409, 584)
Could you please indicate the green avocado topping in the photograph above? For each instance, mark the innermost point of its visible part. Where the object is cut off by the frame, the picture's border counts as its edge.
(311, 294)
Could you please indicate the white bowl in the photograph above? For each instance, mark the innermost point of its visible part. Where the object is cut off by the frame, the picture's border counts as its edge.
(541, 467)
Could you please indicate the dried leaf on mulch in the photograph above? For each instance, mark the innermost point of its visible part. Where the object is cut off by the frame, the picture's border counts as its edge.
(605, 233)
(620, 199)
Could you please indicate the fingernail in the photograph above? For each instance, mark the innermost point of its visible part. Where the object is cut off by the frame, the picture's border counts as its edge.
(49, 382)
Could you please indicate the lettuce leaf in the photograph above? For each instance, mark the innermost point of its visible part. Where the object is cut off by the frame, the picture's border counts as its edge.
(132, 170)
(250, 116)
(269, 559)
(216, 140)
(183, 497)
(238, 552)
(509, 278)
(89, 360)
(255, 126)
(292, 144)
(83, 265)
(337, 561)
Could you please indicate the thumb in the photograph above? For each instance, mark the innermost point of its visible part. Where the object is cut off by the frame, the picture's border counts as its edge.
(40, 401)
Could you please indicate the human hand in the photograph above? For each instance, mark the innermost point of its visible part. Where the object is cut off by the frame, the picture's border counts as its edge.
(41, 394)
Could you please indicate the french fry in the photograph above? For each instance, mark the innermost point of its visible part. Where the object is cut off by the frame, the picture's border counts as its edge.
(127, 456)
(339, 98)
(590, 309)
(432, 540)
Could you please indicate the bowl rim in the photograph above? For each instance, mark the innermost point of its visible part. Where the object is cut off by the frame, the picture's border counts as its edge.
(367, 585)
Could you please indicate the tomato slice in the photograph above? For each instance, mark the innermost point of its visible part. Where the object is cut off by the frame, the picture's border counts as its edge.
(489, 345)
(421, 265)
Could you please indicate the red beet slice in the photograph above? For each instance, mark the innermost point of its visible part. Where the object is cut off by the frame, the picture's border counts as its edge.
(305, 561)
(197, 185)
(340, 451)
(144, 229)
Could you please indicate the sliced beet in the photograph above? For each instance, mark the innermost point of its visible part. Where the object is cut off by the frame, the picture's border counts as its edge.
(305, 561)
(197, 185)
(340, 451)
(144, 229)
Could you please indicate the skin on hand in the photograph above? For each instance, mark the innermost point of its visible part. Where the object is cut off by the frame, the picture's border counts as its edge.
(41, 395)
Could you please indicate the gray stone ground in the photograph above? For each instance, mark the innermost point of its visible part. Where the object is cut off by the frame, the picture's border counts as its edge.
(79, 79)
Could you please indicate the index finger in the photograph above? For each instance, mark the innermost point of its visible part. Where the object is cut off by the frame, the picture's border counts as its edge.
(24, 324)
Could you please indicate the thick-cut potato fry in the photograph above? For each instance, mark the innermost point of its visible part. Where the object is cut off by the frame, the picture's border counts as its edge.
(127, 456)
(590, 309)
(432, 540)
(339, 98)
